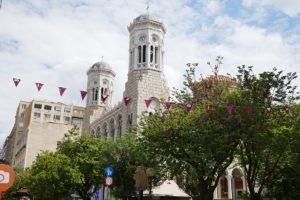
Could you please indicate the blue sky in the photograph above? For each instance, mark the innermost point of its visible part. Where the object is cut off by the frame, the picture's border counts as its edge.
(55, 42)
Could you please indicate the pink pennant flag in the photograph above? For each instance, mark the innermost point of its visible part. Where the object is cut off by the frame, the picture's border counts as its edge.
(209, 108)
(39, 86)
(83, 94)
(269, 110)
(169, 104)
(126, 100)
(229, 108)
(249, 110)
(148, 102)
(188, 106)
(286, 110)
(103, 99)
(61, 90)
(16, 81)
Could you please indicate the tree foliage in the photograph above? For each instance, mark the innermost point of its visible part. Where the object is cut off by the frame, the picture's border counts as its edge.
(198, 146)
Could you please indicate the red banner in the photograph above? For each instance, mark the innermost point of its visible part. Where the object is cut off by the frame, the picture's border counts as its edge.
(188, 106)
(39, 86)
(16, 81)
(103, 99)
(229, 108)
(249, 110)
(148, 102)
(126, 100)
(209, 108)
(61, 90)
(83, 94)
(169, 104)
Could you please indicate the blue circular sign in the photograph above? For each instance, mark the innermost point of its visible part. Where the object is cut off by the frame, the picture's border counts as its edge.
(109, 171)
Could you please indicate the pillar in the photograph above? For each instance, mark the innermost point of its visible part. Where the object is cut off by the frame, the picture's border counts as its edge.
(229, 181)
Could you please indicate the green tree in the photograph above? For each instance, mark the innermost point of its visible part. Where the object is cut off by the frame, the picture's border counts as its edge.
(85, 153)
(266, 134)
(52, 176)
(125, 154)
(197, 146)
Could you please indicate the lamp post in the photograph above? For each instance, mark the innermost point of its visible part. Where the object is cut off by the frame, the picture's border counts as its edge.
(150, 174)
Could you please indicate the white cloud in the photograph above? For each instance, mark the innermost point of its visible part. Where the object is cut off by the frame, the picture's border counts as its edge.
(289, 7)
(56, 41)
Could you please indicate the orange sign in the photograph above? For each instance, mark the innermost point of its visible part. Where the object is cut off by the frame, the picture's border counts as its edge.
(7, 177)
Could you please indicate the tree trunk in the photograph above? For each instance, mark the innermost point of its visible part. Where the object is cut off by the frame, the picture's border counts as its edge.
(255, 196)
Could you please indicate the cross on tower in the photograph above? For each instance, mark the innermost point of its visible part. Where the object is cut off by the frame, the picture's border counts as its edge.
(148, 6)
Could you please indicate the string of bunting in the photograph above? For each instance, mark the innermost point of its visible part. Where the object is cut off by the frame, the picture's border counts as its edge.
(61, 90)
(168, 104)
(209, 108)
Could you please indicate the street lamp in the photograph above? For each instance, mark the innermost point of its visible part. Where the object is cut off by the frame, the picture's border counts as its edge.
(150, 172)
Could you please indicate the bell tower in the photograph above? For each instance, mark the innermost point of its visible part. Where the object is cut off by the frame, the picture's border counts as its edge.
(99, 92)
(146, 80)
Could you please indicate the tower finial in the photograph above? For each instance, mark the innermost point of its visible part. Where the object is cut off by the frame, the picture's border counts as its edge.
(148, 6)
(101, 58)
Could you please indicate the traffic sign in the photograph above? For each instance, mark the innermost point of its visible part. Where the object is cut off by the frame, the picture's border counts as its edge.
(109, 171)
(109, 181)
(7, 177)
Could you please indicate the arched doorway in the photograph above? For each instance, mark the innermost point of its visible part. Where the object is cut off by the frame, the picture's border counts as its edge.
(238, 184)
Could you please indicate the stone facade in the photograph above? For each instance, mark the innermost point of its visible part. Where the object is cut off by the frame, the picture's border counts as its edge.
(146, 81)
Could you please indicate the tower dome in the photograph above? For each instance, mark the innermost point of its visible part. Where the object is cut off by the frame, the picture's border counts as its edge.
(101, 65)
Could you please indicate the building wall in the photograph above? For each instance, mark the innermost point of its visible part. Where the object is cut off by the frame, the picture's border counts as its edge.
(39, 126)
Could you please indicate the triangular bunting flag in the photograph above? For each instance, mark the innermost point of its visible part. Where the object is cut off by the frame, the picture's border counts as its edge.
(286, 110)
(148, 102)
(39, 86)
(229, 108)
(61, 90)
(169, 104)
(103, 99)
(126, 100)
(269, 110)
(16, 81)
(209, 108)
(188, 106)
(83, 94)
(249, 110)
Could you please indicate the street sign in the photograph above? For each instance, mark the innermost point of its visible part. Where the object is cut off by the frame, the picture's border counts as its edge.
(109, 181)
(7, 177)
(109, 171)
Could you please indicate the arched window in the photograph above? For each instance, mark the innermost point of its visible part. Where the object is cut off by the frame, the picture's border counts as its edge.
(112, 128)
(144, 53)
(105, 131)
(156, 56)
(224, 187)
(140, 54)
(151, 54)
(98, 133)
(119, 125)
(96, 94)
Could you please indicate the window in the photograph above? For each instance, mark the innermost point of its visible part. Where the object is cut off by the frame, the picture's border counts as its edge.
(47, 107)
(22, 115)
(67, 109)
(144, 53)
(66, 118)
(38, 106)
(47, 116)
(23, 106)
(156, 54)
(21, 124)
(56, 117)
(151, 54)
(37, 114)
(140, 54)
(19, 133)
(57, 108)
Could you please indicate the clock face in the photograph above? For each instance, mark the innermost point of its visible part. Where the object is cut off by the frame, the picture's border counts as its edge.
(154, 39)
(142, 38)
